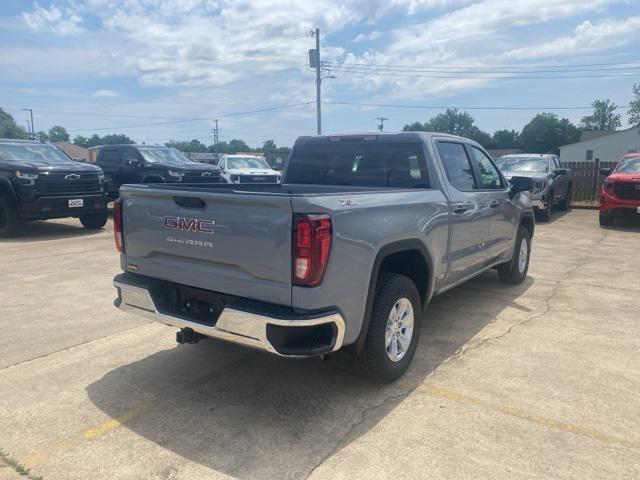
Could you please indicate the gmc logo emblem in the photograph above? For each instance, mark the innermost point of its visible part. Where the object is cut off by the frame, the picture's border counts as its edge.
(189, 224)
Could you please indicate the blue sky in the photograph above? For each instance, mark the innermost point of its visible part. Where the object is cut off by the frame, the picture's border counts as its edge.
(148, 68)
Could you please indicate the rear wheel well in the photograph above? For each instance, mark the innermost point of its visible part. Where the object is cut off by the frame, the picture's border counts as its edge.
(412, 264)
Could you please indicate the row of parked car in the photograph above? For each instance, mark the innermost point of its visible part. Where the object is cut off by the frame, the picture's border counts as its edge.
(38, 181)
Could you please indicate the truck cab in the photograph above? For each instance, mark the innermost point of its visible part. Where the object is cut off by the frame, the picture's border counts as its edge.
(38, 181)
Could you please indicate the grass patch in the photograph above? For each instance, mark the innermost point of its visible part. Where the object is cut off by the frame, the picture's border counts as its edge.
(18, 467)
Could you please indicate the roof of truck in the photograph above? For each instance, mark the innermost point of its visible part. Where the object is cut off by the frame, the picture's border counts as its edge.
(377, 136)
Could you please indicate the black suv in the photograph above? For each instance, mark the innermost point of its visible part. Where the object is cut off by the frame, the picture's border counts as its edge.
(124, 164)
(38, 181)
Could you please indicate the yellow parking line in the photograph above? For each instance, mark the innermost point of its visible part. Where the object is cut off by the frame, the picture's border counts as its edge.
(88, 434)
(538, 419)
(115, 422)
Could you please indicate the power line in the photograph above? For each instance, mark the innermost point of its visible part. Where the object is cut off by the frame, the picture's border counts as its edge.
(261, 110)
(446, 67)
(478, 71)
(494, 77)
(442, 107)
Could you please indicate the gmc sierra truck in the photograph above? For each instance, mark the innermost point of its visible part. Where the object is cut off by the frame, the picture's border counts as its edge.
(344, 254)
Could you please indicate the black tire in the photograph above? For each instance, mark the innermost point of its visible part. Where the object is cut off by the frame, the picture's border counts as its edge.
(512, 271)
(566, 201)
(9, 221)
(373, 360)
(94, 221)
(605, 220)
(545, 215)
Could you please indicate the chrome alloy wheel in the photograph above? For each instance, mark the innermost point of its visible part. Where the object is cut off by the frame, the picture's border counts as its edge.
(399, 329)
(522, 257)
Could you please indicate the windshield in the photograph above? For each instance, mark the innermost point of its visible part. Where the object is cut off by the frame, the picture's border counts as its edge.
(30, 153)
(164, 155)
(523, 164)
(246, 162)
(628, 165)
(360, 164)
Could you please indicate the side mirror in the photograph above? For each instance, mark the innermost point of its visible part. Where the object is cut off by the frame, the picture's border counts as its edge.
(560, 171)
(605, 172)
(520, 184)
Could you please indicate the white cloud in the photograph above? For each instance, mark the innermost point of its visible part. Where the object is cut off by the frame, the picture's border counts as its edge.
(60, 21)
(105, 93)
(473, 36)
(368, 37)
(588, 37)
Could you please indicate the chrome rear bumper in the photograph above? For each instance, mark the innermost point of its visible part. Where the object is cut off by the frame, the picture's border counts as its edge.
(245, 328)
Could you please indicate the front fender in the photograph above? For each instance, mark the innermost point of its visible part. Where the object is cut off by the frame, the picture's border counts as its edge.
(6, 189)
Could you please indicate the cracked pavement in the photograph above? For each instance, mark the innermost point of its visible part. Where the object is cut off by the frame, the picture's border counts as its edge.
(538, 380)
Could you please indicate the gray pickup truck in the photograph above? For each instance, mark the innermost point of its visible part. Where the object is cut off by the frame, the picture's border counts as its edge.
(344, 254)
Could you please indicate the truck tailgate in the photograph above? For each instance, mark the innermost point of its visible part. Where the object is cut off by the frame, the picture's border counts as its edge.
(245, 252)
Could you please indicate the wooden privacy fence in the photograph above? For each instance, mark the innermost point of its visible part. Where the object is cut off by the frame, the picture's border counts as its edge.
(586, 179)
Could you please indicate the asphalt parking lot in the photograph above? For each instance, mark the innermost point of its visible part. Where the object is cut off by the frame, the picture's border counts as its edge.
(540, 380)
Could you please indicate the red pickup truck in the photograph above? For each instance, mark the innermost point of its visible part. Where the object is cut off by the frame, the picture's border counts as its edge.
(620, 193)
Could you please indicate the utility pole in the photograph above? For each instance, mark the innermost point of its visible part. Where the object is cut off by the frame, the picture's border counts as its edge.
(33, 130)
(216, 133)
(314, 62)
(381, 125)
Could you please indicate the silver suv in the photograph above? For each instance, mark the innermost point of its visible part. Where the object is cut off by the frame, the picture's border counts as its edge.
(552, 183)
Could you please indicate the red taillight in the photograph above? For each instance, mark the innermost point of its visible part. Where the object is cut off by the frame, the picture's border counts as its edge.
(118, 232)
(311, 245)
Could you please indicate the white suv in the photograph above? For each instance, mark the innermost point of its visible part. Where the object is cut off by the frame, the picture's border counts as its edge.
(247, 169)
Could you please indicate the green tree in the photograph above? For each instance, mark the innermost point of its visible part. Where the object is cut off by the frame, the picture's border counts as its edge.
(634, 106)
(545, 133)
(222, 147)
(42, 136)
(58, 134)
(506, 139)
(603, 117)
(269, 146)
(80, 140)
(9, 128)
(454, 122)
(236, 145)
(191, 146)
(415, 127)
(111, 139)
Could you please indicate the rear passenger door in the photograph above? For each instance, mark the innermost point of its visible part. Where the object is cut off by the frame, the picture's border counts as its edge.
(470, 217)
(492, 189)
